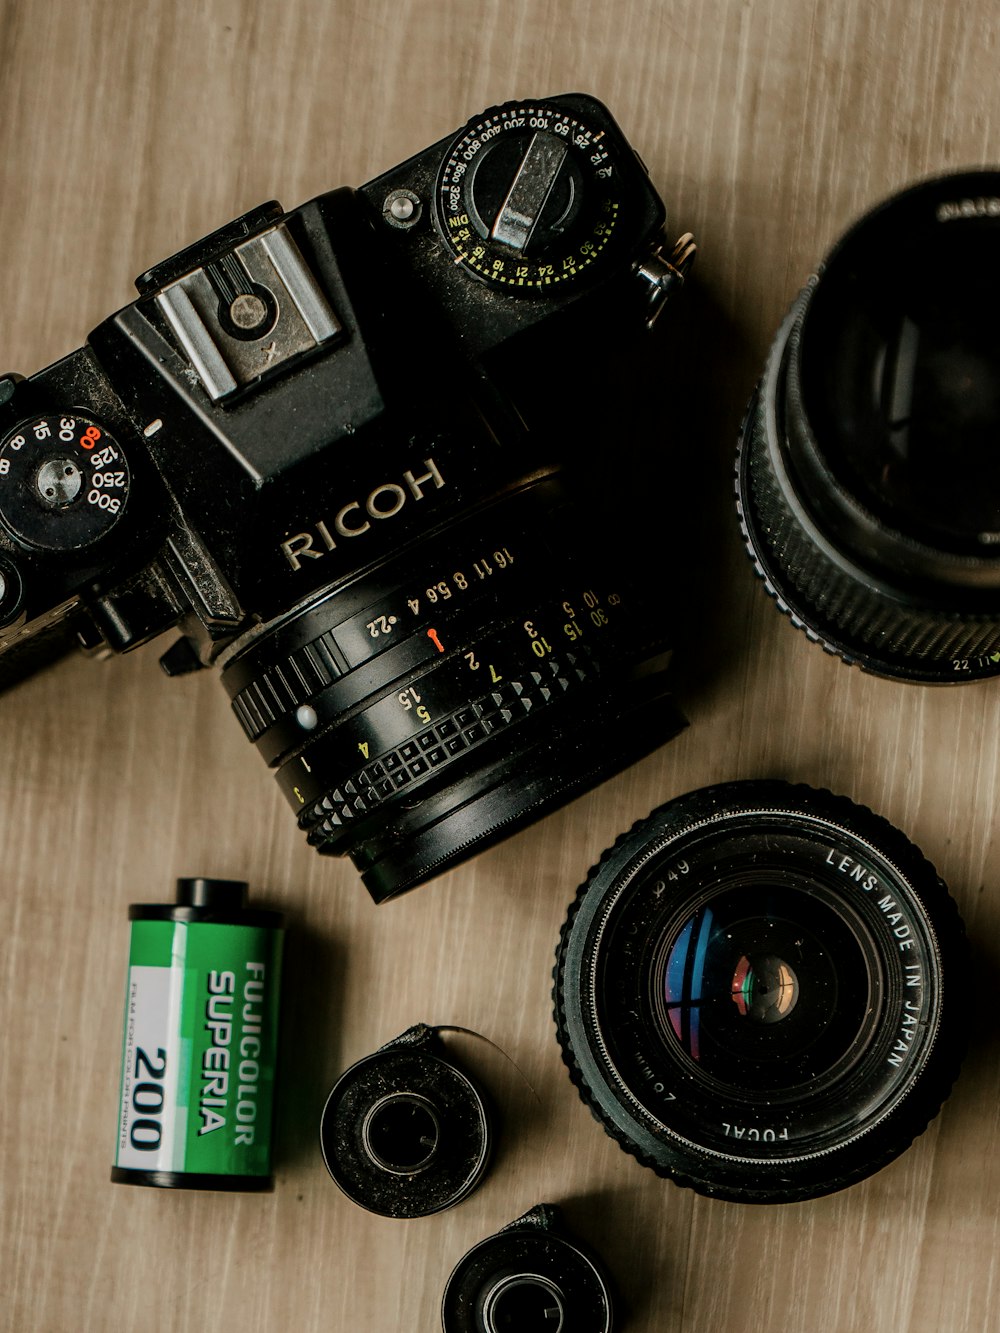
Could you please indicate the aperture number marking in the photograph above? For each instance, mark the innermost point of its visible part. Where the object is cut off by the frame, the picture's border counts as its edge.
(459, 581)
(674, 872)
(381, 625)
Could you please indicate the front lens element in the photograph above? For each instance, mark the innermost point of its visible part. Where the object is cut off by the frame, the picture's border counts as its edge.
(765, 988)
(900, 380)
(769, 994)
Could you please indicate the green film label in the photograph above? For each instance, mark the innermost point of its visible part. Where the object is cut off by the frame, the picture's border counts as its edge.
(198, 1057)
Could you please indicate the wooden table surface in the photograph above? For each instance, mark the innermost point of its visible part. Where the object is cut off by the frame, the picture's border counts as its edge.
(128, 130)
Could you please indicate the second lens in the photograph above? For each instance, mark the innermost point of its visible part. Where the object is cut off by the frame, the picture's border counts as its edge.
(760, 991)
(868, 476)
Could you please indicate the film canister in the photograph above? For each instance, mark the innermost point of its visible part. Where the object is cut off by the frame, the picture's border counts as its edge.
(200, 1041)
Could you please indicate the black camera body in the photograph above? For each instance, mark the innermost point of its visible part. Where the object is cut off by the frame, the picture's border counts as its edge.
(330, 446)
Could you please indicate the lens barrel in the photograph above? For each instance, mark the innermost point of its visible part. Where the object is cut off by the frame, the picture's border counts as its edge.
(421, 710)
(760, 991)
(868, 478)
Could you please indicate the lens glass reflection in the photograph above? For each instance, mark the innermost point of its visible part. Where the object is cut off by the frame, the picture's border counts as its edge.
(901, 382)
(763, 987)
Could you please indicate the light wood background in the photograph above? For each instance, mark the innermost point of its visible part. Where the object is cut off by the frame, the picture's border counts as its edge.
(128, 130)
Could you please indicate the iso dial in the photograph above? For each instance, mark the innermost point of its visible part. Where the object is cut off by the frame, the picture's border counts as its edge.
(528, 197)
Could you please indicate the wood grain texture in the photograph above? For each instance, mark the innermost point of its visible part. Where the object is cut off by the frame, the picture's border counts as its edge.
(128, 130)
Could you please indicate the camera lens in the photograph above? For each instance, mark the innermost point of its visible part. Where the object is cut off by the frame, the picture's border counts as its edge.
(868, 480)
(417, 712)
(760, 991)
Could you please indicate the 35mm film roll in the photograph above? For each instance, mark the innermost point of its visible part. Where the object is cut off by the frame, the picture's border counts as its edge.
(200, 1041)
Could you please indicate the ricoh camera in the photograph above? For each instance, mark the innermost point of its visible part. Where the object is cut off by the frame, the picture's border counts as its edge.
(339, 449)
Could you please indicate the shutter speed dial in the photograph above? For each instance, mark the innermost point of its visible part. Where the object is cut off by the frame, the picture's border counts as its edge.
(64, 482)
(529, 197)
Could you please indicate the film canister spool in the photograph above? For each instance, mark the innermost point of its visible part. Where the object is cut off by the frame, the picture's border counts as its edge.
(405, 1132)
(532, 1275)
(200, 1041)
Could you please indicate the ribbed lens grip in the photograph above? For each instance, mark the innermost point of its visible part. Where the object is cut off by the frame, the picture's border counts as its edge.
(847, 610)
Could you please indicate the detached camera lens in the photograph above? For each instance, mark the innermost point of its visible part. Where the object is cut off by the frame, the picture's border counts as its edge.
(760, 991)
(868, 476)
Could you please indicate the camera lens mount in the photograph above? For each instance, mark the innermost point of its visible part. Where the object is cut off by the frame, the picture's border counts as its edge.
(760, 991)
(867, 477)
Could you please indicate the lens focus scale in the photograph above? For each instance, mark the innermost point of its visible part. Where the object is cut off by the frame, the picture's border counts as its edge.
(759, 992)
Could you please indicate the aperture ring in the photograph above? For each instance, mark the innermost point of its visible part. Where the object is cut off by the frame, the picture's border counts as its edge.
(350, 646)
(838, 605)
(441, 674)
(284, 687)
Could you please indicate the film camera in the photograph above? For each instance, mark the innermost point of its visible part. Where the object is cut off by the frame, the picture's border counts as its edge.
(334, 448)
